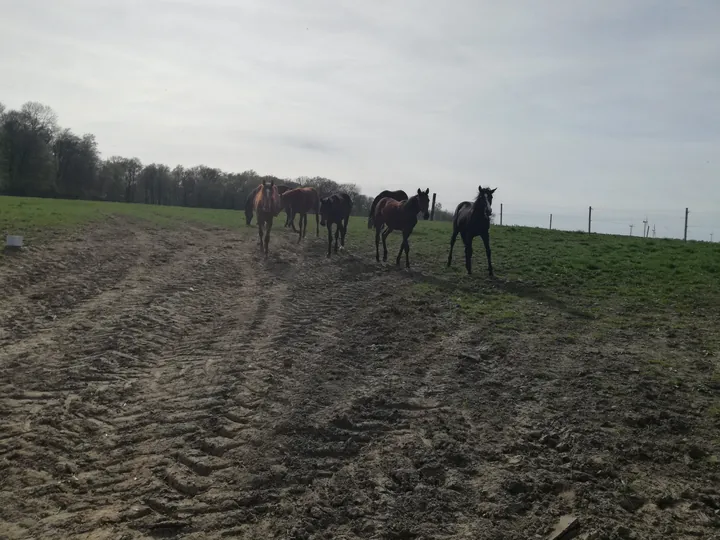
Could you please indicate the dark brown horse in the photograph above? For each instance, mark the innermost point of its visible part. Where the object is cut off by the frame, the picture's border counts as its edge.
(267, 205)
(401, 216)
(302, 200)
(471, 220)
(250, 202)
(398, 195)
(335, 209)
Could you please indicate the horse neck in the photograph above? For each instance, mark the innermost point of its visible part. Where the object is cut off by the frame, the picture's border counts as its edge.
(478, 208)
(413, 204)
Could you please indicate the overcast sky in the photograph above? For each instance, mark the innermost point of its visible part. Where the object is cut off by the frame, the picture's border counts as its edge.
(563, 103)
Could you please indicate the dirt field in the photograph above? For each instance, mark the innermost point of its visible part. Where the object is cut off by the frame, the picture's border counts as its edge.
(160, 383)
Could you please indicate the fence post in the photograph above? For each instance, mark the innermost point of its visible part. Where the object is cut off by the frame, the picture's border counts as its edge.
(432, 212)
(551, 222)
(589, 217)
(685, 234)
(500, 213)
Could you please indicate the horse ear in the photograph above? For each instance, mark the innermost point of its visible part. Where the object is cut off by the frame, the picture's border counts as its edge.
(479, 188)
(427, 191)
(493, 190)
(419, 191)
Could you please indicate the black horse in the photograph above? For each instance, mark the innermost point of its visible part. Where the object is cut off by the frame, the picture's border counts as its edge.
(398, 195)
(251, 199)
(471, 220)
(335, 209)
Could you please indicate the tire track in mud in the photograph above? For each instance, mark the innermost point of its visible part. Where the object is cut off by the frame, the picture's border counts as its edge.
(201, 391)
(176, 396)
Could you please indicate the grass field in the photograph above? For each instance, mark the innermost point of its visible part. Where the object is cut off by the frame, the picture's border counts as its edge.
(602, 354)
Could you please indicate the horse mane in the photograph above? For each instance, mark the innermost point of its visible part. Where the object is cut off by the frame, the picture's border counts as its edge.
(481, 196)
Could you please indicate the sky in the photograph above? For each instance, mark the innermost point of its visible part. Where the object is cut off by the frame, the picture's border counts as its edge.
(561, 104)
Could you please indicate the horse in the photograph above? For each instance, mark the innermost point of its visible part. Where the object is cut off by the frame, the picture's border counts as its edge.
(471, 220)
(302, 200)
(335, 209)
(250, 201)
(288, 210)
(267, 205)
(402, 216)
(398, 195)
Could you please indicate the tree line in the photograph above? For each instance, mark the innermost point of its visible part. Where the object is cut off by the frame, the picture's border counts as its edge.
(38, 158)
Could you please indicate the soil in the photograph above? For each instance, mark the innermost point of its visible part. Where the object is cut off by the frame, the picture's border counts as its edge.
(173, 383)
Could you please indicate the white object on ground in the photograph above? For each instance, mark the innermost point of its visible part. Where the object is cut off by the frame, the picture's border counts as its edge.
(13, 240)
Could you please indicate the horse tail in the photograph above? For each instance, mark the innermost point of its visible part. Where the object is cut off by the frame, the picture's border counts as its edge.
(372, 213)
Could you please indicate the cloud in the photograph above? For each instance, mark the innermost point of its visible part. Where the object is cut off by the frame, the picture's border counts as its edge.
(568, 103)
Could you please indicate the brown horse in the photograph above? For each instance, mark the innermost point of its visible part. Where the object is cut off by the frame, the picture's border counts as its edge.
(401, 216)
(398, 195)
(302, 200)
(267, 205)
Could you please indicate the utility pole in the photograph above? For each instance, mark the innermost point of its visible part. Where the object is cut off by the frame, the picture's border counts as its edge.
(500, 213)
(653, 230)
(631, 227)
(551, 222)
(686, 216)
(589, 217)
(645, 226)
(432, 212)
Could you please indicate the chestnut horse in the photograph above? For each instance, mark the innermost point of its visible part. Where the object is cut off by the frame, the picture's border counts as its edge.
(398, 195)
(250, 202)
(401, 216)
(302, 200)
(267, 205)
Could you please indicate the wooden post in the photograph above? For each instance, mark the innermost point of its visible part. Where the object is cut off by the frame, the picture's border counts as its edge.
(432, 212)
(589, 218)
(500, 213)
(685, 235)
(551, 222)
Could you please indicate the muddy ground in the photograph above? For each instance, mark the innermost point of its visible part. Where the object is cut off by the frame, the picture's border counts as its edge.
(172, 383)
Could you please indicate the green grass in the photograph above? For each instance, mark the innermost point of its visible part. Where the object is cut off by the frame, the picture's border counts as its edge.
(33, 217)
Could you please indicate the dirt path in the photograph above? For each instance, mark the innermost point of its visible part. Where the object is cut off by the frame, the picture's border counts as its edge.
(154, 387)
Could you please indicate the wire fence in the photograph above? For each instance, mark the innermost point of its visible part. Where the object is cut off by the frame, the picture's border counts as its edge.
(700, 226)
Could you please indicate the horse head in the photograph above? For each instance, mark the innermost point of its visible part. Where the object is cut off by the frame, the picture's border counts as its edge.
(270, 198)
(423, 198)
(485, 196)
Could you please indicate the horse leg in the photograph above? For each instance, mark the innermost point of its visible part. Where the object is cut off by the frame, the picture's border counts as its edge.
(385, 234)
(304, 225)
(317, 221)
(404, 246)
(467, 240)
(377, 243)
(268, 226)
(452, 244)
(329, 229)
(299, 231)
(260, 231)
(338, 228)
(344, 231)
(486, 240)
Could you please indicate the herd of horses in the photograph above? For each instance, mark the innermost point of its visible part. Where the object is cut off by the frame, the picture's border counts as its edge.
(390, 211)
